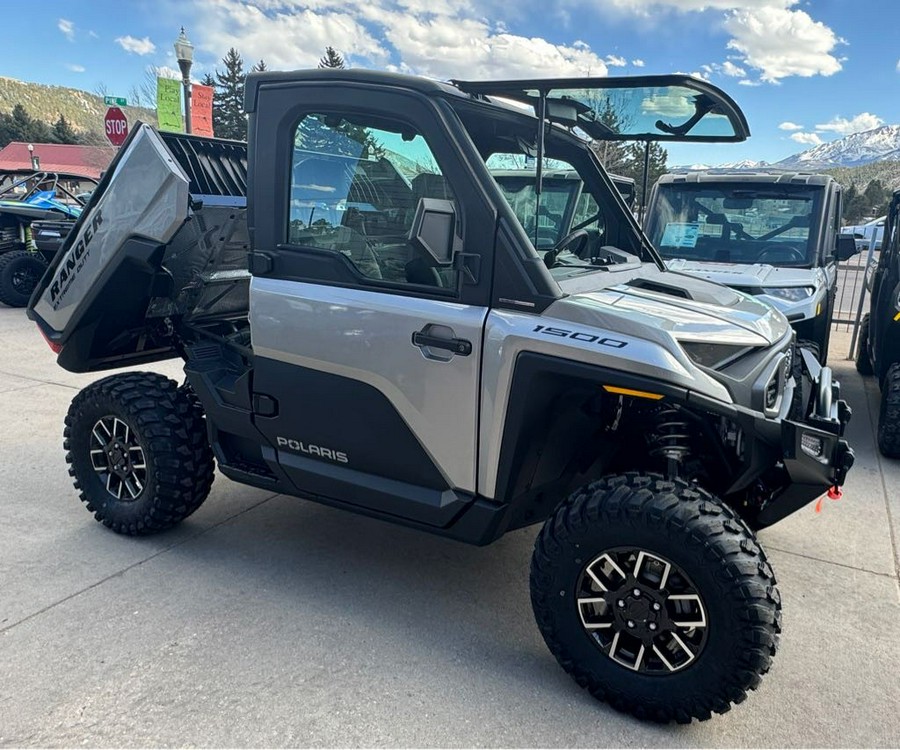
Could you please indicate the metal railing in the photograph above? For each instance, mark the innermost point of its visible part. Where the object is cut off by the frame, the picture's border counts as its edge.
(851, 296)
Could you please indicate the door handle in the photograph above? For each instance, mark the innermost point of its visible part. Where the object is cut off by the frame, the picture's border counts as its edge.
(425, 340)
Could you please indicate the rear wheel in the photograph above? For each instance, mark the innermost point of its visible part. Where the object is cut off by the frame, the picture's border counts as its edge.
(20, 272)
(889, 415)
(136, 446)
(863, 363)
(655, 597)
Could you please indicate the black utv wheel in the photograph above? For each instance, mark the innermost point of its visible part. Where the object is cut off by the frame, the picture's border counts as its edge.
(889, 416)
(20, 272)
(863, 363)
(136, 446)
(655, 597)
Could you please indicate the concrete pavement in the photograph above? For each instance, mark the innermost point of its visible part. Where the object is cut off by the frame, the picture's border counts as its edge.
(266, 620)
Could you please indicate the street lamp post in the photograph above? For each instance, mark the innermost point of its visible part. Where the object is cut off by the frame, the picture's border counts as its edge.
(35, 160)
(184, 53)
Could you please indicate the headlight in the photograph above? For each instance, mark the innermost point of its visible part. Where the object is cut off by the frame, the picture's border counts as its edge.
(790, 293)
(713, 355)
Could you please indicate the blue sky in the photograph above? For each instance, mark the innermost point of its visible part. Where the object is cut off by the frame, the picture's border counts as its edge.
(804, 71)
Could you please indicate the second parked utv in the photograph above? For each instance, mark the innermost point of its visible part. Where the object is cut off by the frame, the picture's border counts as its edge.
(366, 323)
(878, 350)
(770, 233)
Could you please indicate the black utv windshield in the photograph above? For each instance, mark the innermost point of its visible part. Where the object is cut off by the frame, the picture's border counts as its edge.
(731, 223)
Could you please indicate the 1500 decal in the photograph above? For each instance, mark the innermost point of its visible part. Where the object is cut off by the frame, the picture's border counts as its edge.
(587, 338)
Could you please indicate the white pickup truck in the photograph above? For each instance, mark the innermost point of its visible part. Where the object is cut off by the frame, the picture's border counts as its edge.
(864, 233)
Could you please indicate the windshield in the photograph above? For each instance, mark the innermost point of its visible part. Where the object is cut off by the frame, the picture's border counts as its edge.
(557, 200)
(736, 222)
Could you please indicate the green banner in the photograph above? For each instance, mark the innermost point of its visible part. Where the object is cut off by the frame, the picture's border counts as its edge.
(168, 105)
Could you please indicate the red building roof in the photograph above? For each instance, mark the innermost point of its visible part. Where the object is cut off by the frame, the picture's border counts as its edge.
(88, 161)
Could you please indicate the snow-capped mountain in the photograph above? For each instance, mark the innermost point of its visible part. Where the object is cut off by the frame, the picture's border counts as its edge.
(850, 151)
(743, 164)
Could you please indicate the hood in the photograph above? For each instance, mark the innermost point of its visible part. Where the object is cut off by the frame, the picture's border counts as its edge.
(686, 307)
(744, 275)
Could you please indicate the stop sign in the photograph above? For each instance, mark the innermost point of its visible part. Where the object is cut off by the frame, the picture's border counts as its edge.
(116, 126)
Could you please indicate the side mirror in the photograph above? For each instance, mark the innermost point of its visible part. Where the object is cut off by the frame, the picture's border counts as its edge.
(434, 229)
(846, 247)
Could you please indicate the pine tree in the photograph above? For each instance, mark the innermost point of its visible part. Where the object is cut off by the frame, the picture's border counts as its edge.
(63, 131)
(634, 167)
(259, 67)
(229, 120)
(332, 59)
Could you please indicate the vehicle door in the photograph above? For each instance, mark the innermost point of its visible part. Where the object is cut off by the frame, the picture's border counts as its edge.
(885, 288)
(368, 351)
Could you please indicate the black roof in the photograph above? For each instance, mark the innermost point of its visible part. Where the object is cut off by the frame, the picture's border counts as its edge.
(762, 176)
(378, 77)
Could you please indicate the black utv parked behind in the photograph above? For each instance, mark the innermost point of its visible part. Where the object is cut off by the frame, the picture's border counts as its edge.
(878, 350)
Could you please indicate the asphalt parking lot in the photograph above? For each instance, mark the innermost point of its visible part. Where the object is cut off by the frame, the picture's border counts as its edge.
(266, 620)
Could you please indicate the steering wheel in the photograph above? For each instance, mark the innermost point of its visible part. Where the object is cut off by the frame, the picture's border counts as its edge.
(574, 242)
(783, 252)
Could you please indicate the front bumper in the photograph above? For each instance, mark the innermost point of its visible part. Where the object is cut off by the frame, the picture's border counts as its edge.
(815, 457)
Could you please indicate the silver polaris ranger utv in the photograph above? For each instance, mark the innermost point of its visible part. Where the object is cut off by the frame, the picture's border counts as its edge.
(365, 323)
(770, 233)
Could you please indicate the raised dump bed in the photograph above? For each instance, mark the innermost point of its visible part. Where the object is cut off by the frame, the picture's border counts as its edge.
(163, 240)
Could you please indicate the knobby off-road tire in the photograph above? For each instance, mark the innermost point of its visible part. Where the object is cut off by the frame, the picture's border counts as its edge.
(20, 272)
(709, 551)
(889, 415)
(863, 363)
(813, 347)
(136, 446)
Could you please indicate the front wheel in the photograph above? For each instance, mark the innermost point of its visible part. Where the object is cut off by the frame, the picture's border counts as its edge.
(136, 446)
(20, 272)
(656, 597)
(889, 414)
(863, 362)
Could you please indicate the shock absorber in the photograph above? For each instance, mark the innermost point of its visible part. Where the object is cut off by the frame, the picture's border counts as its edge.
(670, 438)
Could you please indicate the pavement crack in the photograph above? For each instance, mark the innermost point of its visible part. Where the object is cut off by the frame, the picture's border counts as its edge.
(38, 381)
(829, 562)
(137, 564)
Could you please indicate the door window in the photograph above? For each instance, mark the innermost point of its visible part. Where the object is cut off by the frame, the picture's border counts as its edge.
(355, 188)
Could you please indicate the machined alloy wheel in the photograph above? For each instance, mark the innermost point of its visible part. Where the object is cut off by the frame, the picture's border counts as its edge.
(655, 596)
(137, 449)
(642, 611)
(118, 457)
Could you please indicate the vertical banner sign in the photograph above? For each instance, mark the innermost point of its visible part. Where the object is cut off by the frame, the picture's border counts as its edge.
(168, 105)
(202, 110)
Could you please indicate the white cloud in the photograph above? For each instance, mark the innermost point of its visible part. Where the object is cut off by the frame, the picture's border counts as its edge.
(809, 139)
(898, 66)
(790, 126)
(75, 68)
(614, 61)
(749, 82)
(450, 39)
(638, 63)
(732, 70)
(781, 43)
(771, 36)
(93, 34)
(164, 71)
(136, 46)
(863, 121)
(67, 28)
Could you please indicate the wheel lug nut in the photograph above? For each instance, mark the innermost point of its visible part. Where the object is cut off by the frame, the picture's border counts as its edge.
(656, 606)
(652, 626)
(636, 592)
(621, 603)
(631, 623)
